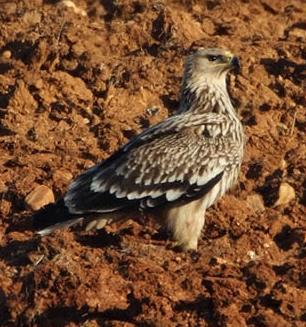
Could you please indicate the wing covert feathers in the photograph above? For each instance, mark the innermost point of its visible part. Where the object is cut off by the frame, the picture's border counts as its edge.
(178, 159)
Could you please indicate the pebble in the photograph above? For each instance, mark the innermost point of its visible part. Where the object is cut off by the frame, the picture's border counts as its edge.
(6, 54)
(220, 261)
(283, 164)
(285, 195)
(178, 259)
(71, 4)
(39, 197)
(252, 255)
(256, 203)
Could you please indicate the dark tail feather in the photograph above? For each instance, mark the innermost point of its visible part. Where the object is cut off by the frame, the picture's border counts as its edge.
(52, 217)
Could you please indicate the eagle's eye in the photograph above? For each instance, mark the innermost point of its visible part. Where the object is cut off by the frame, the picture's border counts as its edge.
(213, 58)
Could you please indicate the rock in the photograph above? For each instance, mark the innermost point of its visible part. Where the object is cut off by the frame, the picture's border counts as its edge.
(255, 202)
(7, 54)
(283, 164)
(217, 261)
(285, 195)
(252, 255)
(72, 5)
(39, 197)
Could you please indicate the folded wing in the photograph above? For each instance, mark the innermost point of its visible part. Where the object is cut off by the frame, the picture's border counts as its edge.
(179, 159)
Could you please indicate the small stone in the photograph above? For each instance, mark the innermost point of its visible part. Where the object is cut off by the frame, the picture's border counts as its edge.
(220, 261)
(7, 54)
(178, 259)
(152, 111)
(283, 164)
(266, 245)
(71, 4)
(252, 255)
(255, 202)
(285, 195)
(39, 197)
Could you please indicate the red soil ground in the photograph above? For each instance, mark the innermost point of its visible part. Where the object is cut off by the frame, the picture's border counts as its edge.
(74, 87)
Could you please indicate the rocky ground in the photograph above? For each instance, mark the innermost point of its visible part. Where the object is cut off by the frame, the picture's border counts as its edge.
(76, 82)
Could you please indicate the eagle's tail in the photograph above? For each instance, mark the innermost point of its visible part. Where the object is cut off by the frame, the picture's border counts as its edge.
(52, 217)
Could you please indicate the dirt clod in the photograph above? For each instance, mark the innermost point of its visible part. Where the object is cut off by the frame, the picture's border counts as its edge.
(39, 197)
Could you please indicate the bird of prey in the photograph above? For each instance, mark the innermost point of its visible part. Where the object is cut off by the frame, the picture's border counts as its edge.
(173, 170)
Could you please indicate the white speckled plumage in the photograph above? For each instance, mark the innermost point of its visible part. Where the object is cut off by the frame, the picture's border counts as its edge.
(177, 168)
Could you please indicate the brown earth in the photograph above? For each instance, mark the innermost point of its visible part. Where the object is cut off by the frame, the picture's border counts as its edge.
(75, 87)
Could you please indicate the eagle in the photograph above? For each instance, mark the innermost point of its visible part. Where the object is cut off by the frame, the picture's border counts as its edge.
(172, 171)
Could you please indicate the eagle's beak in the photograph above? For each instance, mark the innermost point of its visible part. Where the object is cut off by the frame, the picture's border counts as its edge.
(235, 64)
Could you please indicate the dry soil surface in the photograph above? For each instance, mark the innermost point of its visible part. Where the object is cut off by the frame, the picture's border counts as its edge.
(78, 82)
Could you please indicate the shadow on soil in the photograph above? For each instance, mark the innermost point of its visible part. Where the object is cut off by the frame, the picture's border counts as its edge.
(202, 306)
(15, 253)
(99, 239)
(61, 316)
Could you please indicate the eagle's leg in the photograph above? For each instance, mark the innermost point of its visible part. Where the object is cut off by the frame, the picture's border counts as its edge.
(185, 223)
